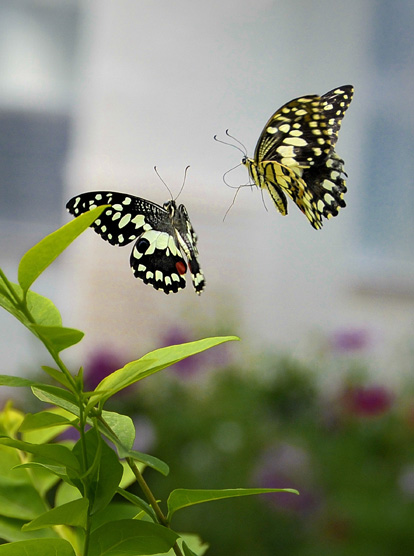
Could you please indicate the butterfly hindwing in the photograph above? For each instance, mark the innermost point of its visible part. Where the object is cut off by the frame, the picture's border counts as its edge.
(187, 239)
(157, 256)
(157, 260)
(296, 155)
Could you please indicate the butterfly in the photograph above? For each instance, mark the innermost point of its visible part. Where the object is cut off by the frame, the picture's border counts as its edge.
(162, 236)
(295, 155)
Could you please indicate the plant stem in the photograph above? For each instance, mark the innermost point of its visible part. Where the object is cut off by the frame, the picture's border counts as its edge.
(148, 494)
(87, 535)
(150, 497)
(10, 287)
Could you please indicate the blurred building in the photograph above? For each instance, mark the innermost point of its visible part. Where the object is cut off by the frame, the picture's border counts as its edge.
(94, 93)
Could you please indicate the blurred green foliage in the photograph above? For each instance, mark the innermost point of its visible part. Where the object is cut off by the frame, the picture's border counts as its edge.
(348, 450)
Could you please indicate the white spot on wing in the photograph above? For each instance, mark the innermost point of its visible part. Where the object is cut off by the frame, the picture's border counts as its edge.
(284, 128)
(124, 220)
(138, 220)
(295, 141)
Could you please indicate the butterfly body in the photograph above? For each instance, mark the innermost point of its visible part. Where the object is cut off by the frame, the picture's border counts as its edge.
(295, 155)
(161, 235)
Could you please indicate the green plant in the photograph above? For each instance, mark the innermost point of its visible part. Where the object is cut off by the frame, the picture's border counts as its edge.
(66, 498)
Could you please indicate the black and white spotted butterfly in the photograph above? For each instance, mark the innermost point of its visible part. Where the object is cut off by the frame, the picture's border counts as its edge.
(162, 234)
(296, 155)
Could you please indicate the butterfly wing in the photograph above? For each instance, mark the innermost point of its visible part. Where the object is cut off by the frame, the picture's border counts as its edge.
(124, 221)
(295, 134)
(335, 104)
(187, 239)
(295, 154)
(156, 257)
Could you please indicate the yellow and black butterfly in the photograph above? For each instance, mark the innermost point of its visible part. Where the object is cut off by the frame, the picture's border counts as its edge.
(296, 155)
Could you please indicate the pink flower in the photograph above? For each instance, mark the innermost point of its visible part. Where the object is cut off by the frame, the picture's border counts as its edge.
(367, 401)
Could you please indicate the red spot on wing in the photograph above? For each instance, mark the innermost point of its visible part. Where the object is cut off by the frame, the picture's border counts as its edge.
(181, 267)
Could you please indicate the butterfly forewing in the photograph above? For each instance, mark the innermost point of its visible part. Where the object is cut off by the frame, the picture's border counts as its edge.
(295, 154)
(124, 220)
(335, 104)
(157, 256)
(296, 135)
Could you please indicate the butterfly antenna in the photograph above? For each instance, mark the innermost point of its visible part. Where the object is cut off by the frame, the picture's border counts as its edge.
(182, 187)
(243, 148)
(244, 153)
(168, 189)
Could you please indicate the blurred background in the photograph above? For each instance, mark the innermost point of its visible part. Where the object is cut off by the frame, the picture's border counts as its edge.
(94, 93)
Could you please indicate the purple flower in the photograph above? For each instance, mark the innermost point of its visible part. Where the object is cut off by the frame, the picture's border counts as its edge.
(367, 401)
(101, 363)
(350, 340)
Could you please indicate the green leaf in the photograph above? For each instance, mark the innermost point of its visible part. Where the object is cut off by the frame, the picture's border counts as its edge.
(6, 380)
(44, 476)
(105, 469)
(122, 426)
(138, 502)
(42, 427)
(38, 547)
(20, 501)
(42, 310)
(56, 396)
(122, 435)
(58, 471)
(73, 513)
(50, 453)
(8, 303)
(150, 461)
(130, 537)
(11, 531)
(9, 459)
(153, 362)
(59, 336)
(42, 420)
(115, 511)
(57, 375)
(39, 257)
(182, 497)
(123, 452)
(192, 544)
(66, 492)
(187, 550)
